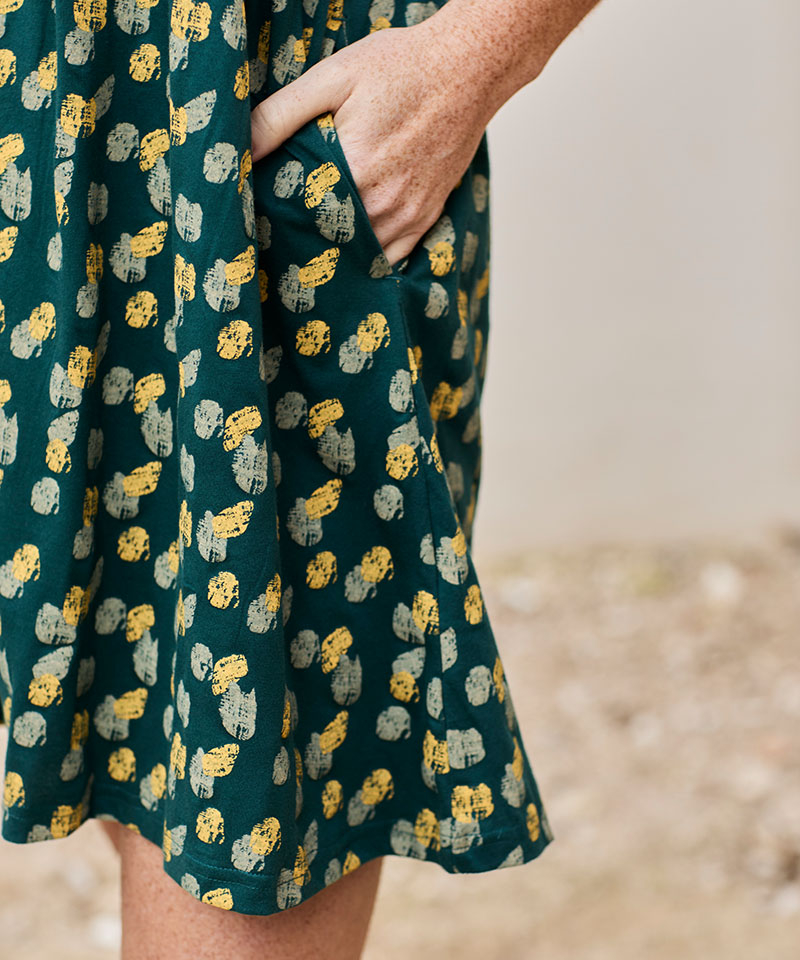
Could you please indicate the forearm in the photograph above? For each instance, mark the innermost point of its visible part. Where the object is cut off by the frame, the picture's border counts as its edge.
(501, 45)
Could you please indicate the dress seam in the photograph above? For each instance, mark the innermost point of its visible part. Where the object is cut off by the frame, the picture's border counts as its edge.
(416, 387)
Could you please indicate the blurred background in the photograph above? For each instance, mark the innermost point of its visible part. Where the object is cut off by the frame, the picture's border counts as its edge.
(643, 375)
(638, 531)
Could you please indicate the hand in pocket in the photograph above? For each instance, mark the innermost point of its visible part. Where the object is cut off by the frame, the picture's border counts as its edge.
(402, 125)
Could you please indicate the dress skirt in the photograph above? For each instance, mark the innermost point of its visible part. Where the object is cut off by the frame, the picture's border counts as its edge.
(239, 466)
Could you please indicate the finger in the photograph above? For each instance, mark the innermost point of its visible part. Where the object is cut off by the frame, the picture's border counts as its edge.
(396, 251)
(282, 113)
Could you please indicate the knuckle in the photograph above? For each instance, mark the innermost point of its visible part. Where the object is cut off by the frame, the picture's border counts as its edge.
(267, 122)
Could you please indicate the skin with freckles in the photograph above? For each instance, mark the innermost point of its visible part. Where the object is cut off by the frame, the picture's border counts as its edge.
(411, 103)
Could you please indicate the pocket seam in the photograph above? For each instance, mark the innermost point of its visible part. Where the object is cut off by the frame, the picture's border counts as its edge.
(334, 148)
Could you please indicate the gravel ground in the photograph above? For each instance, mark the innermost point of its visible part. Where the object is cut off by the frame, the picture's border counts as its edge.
(658, 692)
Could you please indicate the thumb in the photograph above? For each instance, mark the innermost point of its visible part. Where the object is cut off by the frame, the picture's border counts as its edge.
(281, 114)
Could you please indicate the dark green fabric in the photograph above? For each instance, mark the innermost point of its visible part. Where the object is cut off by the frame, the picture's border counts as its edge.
(240, 460)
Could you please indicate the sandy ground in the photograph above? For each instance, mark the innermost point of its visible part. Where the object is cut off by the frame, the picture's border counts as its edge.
(658, 691)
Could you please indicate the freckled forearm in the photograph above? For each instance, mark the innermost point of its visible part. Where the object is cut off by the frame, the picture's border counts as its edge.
(501, 45)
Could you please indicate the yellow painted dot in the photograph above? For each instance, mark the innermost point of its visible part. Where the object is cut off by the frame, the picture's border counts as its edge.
(533, 821)
(149, 241)
(324, 499)
(65, 819)
(8, 237)
(235, 340)
(232, 521)
(76, 605)
(190, 21)
(427, 829)
(48, 71)
(142, 480)
(321, 570)
(266, 836)
(219, 897)
(242, 268)
(241, 81)
(134, 544)
(79, 731)
(471, 803)
(401, 461)
(332, 798)
(333, 646)
(178, 124)
(313, 338)
(323, 413)
(210, 826)
(403, 686)
(13, 790)
(425, 612)
(334, 733)
(517, 762)
(301, 873)
(238, 425)
(158, 780)
(377, 786)
(499, 679)
(436, 453)
(130, 706)
(442, 256)
(223, 589)
(26, 563)
(122, 764)
(90, 15)
(82, 366)
(8, 68)
(445, 401)
(177, 756)
(42, 321)
(219, 761)
(351, 862)
(435, 754)
(473, 604)
(184, 278)
(373, 333)
(376, 564)
(319, 181)
(78, 115)
(226, 670)
(319, 269)
(141, 310)
(144, 63)
(139, 619)
(44, 690)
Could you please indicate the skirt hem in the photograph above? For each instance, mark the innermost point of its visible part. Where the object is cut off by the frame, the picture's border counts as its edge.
(225, 886)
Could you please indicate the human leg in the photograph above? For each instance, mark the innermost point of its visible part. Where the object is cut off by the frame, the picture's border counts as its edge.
(161, 920)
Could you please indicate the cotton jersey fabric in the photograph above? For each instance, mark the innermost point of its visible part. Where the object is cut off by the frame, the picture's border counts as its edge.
(239, 466)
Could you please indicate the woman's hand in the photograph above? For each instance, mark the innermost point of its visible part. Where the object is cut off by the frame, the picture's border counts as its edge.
(408, 126)
(410, 104)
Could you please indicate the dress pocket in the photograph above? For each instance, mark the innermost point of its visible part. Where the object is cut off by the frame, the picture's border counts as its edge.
(322, 129)
(326, 126)
(322, 266)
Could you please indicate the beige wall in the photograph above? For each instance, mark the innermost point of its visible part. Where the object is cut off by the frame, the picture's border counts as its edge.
(644, 359)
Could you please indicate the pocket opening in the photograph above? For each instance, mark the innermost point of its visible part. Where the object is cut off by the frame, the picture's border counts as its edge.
(326, 129)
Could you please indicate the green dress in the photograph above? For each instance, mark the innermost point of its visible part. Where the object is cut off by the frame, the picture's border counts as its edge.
(239, 463)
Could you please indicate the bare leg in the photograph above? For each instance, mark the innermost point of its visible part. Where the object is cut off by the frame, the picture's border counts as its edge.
(160, 920)
(113, 830)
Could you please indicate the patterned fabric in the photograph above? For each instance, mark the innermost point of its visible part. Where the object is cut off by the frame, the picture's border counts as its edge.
(239, 463)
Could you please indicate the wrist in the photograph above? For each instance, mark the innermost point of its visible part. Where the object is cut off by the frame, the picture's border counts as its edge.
(489, 56)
